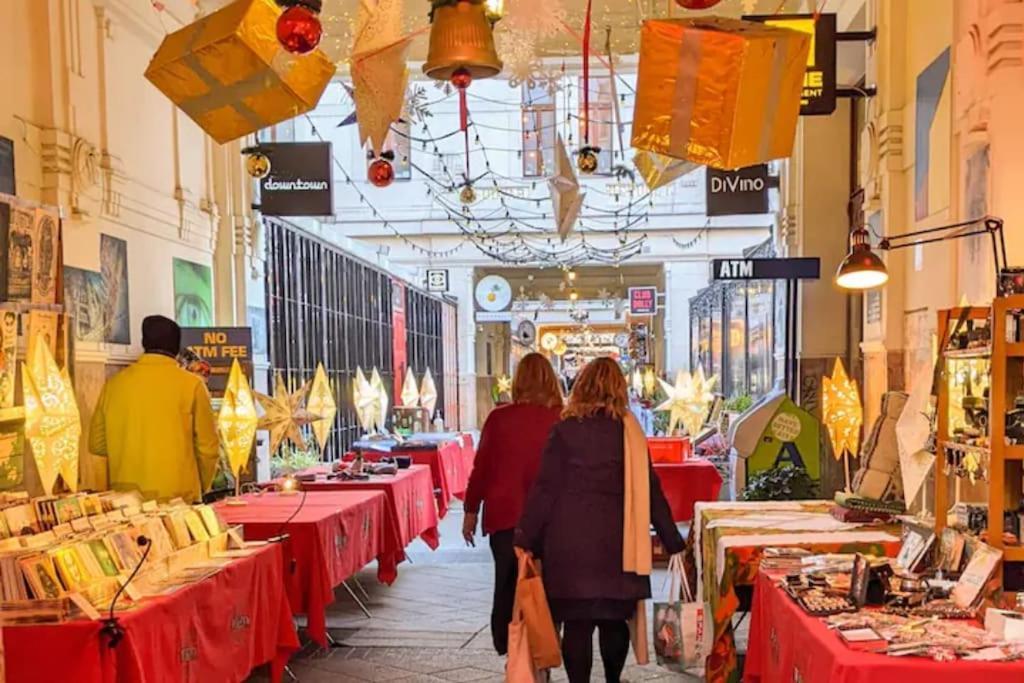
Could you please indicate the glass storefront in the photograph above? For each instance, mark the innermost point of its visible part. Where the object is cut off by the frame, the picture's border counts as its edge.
(737, 332)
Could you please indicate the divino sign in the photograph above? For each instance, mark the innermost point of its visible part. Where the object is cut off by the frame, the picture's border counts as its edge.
(731, 193)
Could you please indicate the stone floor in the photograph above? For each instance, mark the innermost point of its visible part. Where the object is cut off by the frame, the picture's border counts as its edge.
(431, 626)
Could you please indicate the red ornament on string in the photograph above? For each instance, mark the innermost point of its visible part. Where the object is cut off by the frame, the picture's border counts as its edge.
(299, 30)
(381, 173)
(697, 4)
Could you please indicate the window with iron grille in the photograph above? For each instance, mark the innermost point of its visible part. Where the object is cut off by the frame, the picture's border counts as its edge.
(326, 305)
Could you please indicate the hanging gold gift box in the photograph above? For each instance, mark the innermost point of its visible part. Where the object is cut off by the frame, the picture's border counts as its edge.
(720, 92)
(230, 75)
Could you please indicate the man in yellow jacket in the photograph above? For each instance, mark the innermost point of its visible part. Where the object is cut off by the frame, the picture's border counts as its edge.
(154, 422)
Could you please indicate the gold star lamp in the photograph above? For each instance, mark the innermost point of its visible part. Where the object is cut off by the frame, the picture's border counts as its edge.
(842, 414)
(285, 414)
(321, 402)
(688, 400)
(428, 394)
(366, 401)
(236, 422)
(52, 422)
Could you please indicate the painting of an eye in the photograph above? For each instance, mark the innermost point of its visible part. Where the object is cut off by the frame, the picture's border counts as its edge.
(193, 294)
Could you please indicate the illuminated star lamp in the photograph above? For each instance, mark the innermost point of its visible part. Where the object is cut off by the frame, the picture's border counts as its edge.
(842, 414)
(410, 392)
(380, 413)
(52, 422)
(688, 400)
(321, 402)
(428, 394)
(366, 400)
(504, 383)
(285, 414)
(236, 422)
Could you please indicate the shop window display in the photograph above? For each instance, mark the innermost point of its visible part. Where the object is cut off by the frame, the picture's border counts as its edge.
(736, 343)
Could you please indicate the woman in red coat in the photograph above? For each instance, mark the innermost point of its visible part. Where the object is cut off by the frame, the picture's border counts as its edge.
(507, 461)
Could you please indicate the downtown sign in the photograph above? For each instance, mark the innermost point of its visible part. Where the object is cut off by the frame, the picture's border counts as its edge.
(301, 180)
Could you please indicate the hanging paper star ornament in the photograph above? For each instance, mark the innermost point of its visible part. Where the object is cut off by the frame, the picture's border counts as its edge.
(428, 394)
(688, 400)
(52, 423)
(378, 66)
(410, 392)
(504, 383)
(380, 414)
(565, 192)
(321, 402)
(285, 414)
(366, 400)
(841, 411)
(237, 420)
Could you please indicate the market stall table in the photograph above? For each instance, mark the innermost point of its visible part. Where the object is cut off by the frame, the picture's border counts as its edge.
(787, 644)
(411, 512)
(693, 481)
(217, 629)
(728, 539)
(447, 466)
(331, 536)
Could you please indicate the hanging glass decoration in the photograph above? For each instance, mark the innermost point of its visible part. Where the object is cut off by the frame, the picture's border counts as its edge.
(697, 4)
(298, 28)
(381, 173)
(257, 164)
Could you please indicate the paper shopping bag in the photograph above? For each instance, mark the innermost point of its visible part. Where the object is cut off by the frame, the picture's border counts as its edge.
(681, 627)
(520, 668)
(540, 627)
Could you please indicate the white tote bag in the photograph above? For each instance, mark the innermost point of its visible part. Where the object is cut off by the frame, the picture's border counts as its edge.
(682, 627)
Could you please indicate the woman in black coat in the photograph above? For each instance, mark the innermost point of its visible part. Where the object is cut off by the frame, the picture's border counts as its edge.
(574, 519)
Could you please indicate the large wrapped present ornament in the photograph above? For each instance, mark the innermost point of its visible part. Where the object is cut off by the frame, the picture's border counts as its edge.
(230, 75)
(720, 92)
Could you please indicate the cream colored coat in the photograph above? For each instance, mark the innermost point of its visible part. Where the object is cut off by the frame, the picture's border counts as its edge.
(155, 424)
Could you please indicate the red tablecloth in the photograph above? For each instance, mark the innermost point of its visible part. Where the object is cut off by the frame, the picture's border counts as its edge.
(447, 466)
(218, 629)
(788, 645)
(333, 536)
(411, 512)
(692, 481)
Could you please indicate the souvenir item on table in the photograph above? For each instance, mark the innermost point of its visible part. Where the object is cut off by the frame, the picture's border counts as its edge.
(195, 525)
(980, 568)
(917, 541)
(720, 92)
(229, 74)
(41, 576)
(878, 475)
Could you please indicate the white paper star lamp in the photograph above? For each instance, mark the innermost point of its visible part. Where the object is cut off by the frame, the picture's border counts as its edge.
(428, 394)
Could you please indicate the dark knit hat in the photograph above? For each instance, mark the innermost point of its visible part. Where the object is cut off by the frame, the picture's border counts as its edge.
(161, 335)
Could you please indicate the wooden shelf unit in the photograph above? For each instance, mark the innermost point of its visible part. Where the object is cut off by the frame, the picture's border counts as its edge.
(1006, 381)
(947, 318)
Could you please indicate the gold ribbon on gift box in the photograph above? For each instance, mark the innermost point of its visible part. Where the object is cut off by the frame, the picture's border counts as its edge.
(230, 75)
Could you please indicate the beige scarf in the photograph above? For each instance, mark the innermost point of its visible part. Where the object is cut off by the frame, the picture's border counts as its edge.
(636, 531)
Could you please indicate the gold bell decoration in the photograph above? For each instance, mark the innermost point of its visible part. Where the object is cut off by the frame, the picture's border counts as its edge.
(461, 39)
(461, 50)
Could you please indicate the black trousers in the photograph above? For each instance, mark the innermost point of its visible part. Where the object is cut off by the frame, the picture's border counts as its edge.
(506, 573)
(578, 649)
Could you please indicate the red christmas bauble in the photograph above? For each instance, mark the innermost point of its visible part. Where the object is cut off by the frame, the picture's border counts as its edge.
(299, 30)
(697, 4)
(462, 78)
(381, 173)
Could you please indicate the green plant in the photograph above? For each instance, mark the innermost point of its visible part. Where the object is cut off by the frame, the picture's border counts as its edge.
(781, 483)
(739, 404)
(290, 459)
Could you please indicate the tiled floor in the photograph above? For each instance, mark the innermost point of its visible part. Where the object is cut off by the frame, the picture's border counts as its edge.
(430, 626)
